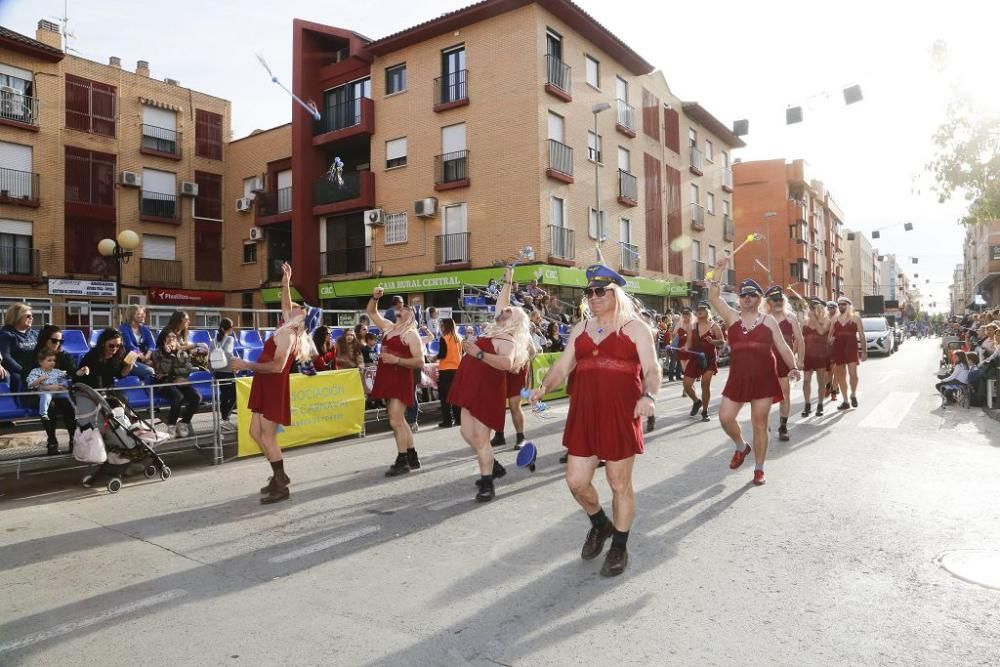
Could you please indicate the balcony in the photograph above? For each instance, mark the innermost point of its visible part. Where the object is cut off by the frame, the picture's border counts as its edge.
(17, 263)
(698, 217)
(161, 142)
(728, 228)
(342, 121)
(628, 188)
(159, 207)
(276, 205)
(18, 110)
(799, 233)
(357, 193)
(346, 260)
(19, 187)
(558, 78)
(451, 251)
(629, 261)
(697, 161)
(562, 245)
(697, 270)
(451, 90)
(625, 122)
(451, 170)
(560, 162)
(727, 179)
(160, 272)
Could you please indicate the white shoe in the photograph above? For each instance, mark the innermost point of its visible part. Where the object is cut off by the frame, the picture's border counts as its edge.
(227, 425)
(188, 429)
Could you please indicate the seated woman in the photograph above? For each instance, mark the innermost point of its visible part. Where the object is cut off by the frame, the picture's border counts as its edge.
(50, 340)
(138, 338)
(172, 365)
(326, 351)
(555, 341)
(349, 354)
(106, 361)
(958, 378)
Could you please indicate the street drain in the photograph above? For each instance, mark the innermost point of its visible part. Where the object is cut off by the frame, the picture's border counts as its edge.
(975, 566)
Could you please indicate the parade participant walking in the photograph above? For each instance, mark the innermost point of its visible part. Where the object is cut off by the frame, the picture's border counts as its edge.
(754, 337)
(831, 385)
(817, 356)
(616, 378)
(681, 331)
(480, 385)
(402, 353)
(705, 339)
(847, 333)
(791, 331)
(647, 317)
(270, 402)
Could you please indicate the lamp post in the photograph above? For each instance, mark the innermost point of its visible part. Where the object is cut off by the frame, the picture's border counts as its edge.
(596, 109)
(121, 250)
(767, 234)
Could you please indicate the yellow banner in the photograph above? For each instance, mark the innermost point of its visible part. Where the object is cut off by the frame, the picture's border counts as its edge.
(325, 406)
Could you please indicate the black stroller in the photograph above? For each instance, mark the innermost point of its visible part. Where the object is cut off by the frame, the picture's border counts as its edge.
(126, 438)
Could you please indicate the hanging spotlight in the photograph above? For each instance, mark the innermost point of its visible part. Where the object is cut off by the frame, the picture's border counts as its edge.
(908, 226)
(914, 259)
(793, 115)
(741, 127)
(876, 234)
(852, 94)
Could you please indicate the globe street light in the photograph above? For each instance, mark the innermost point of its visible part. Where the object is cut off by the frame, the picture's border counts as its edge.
(596, 109)
(121, 250)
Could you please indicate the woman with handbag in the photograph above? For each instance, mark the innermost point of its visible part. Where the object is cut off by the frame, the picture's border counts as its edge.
(219, 355)
(172, 366)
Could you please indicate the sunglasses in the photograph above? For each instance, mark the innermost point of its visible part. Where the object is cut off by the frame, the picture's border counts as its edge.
(753, 295)
(591, 292)
(57, 341)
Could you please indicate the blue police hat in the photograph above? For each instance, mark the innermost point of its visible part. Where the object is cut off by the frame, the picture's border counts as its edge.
(701, 305)
(314, 317)
(750, 286)
(775, 292)
(599, 275)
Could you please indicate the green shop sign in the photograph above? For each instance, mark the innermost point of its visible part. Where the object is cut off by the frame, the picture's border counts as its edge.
(273, 295)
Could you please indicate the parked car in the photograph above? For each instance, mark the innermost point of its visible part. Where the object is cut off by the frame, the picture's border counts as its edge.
(879, 335)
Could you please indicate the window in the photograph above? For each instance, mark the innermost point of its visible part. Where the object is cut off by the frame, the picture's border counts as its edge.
(207, 251)
(796, 270)
(725, 207)
(593, 146)
(557, 212)
(624, 160)
(155, 246)
(396, 228)
(248, 186)
(453, 73)
(711, 255)
(17, 95)
(597, 230)
(625, 230)
(593, 72)
(395, 79)
(342, 105)
(15, 247)
(249, 252)
(709, 155)
(710, 203)
(90, 177)
(692, 136)
(621, 89)
(553, 44)
(725, 159)
(16, 164)
(696, 250)
(159, 130)
(208, 203)
(694, 194)
(395, 153)
(246, 303)
(208, 134)
(91, 106)
(557, 127)
(455, 238)
(159, 193)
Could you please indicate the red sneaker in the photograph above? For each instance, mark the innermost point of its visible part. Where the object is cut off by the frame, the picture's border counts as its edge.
(758, 477)
(738, 458)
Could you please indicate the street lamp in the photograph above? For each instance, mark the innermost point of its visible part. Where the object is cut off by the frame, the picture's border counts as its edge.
(596, 109)
(121, 251)
(767, 234)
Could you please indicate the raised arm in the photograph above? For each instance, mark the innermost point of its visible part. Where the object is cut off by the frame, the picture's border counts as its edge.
(503, 299)
(286, 290)
(560, 370)
(798, 338)
(372, 310)
(725, 311)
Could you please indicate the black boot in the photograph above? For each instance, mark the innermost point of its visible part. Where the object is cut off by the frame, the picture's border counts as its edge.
(51, 444)
(486, 492)
(400, 467)
(705, 417)
(819, 409)
(498, 439)
(411, 459)
(808, 410)
(520, 439)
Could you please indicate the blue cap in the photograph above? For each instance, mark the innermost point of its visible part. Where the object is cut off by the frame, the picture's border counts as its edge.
(775, 292)
(599, 275)
(750, 286)
(701, 305)
(314, 318)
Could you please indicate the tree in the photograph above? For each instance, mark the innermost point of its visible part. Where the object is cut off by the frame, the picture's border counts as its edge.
(968, 160)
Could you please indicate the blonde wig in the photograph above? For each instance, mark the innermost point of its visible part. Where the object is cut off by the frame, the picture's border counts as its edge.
(517, 326)
(624, 310)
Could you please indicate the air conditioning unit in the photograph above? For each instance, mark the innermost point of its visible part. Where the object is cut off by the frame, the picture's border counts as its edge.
(425, 208)
(258, 184)
(137, 299)
(77, 308)
(374, 217)
(131, 179)
(244, 204)
(189, 189)
(256, 233)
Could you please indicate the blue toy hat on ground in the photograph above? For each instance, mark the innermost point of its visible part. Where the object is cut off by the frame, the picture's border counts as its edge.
(599, 275)
(750, 286)
(526, 456)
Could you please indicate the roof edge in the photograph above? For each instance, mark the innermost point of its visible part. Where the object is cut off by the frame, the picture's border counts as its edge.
(701, 114)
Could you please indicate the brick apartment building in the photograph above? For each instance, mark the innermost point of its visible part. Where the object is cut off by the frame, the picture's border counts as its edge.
(982, 266)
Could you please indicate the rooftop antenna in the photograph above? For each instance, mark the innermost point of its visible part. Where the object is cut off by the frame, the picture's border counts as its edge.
(65, 33)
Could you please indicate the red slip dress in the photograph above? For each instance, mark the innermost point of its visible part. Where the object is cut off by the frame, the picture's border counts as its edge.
(817, 350)
(753, 372)
(393, 380)
(517, 381)
(607, 384)
(705, 344)
(480, 388)
(845, 343)
(789, 335)
(269, 394)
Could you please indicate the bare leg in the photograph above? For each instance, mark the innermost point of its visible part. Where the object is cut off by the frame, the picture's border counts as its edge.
(516, 414)
(840, 372)
(852, 369)
(265, 433)
(689, 389)
(580, 480)
(807, 385)
(786, 399)
(619, 474)
(706, 389)
(400, 429)
(760, 410)
(728, 411)
(477, 435)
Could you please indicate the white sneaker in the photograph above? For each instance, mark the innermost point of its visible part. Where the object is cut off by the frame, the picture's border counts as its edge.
(227, 425)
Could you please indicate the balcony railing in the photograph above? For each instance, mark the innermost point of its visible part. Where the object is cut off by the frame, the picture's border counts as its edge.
(697, 217)
(629, 257)
(799, 233)
(626, 115)
(17, 107)
(166, 272)
(327, 192)
(158, 205)
(561, 242)
(628, 186)
(18, 186)
(451, 248)
(697, 161)
(346, 260)
(339, 116)
(697, 270)
(451, 168)
(161, 140)
(727, 179)
(560, 157)
(15, 261)
(451, 88)
(274, 203)
(559, 74)
(728, 228)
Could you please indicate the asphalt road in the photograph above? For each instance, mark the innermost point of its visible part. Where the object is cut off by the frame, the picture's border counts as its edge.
(832, 562)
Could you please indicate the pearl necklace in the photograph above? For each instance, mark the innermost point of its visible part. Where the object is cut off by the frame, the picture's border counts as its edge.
(757, 320)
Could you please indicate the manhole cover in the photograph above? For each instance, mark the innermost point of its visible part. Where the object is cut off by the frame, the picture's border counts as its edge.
(976, 566)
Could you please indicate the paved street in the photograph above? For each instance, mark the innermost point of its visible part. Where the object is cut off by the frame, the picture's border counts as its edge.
(830, 563)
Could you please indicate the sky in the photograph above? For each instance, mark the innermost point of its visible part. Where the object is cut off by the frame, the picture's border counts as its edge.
(738, 59)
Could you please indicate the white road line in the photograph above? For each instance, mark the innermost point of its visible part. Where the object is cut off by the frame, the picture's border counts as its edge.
(67, 628)
(445, 504)
(888, 376)
(325, 544)
(891, 411)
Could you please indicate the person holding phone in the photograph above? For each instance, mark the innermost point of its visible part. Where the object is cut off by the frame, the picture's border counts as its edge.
(106, 361)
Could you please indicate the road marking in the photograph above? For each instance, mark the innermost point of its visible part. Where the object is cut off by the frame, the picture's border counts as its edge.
(888, 376)
(67, 628)
(445, 504)
(325, 544)
(891, 411)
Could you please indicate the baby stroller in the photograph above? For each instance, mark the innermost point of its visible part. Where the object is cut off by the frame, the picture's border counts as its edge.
(125, 437)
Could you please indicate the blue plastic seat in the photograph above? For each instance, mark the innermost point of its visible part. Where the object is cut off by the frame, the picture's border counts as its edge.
(75, 343)
(9, 408)
(200, 336)
(202, 383)
(266, 333)
(462, 330)
(94, 334)
(251, 354)
(476, 329)
(250, 339)
(433, 347)
(135, 393)
(336, 333)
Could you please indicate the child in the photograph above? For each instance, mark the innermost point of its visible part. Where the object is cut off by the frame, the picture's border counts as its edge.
(47, 378)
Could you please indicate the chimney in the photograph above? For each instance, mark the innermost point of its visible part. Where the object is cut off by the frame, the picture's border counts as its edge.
(142, 68)
(172, 82)
(48, 33)
(115, 61)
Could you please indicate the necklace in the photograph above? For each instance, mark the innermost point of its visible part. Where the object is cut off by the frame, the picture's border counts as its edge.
(757, 320)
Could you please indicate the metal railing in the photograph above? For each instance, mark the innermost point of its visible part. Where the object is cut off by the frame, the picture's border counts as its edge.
(17, 107)
(728, 228)
(326, 191)
(451, 167)
(18, 185)
(451, 87)
(697, 160)
(160, 272)
(18, 261)
(161, 139)
(347, 260)
(560, 157)
(451, 248)
(626, 115)
(339, 116)
(628, 185)
(697, 217)
(697, 270)
(727, 178)
(561, 242)
(273, 203)
(559, 74)
(629, 257)
(158, 205)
